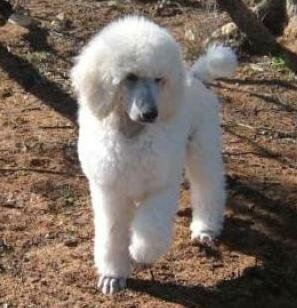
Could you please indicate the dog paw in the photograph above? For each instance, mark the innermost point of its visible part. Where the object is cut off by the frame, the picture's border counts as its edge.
(110, 285)
(205, 238)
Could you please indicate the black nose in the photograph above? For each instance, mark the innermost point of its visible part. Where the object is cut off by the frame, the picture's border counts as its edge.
(150, 115)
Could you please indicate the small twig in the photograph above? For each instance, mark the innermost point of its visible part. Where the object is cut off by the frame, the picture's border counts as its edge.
(57, 127)
(246, 126)
(31, 109)
(230, 124)
(17, 169)
(152, 275)
(240, 153)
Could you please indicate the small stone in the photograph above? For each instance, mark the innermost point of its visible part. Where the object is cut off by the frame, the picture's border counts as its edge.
(71, 242)
(2, 268)
(229, 29)
(61, 16)
(217, 264)
(60, 23)
(234, 255)
(50, 235)
(256, 67)
(189, 34)
(112, 3)
(10, 202)
(20, 18)
(4, 247)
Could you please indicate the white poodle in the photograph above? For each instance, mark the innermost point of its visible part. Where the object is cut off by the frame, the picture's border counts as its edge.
(142, 118)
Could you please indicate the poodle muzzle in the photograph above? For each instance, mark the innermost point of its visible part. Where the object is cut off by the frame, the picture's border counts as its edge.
(142, 99)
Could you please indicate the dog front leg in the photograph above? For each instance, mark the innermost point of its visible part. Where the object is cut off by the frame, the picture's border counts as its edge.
(112, 217)
(152, 227)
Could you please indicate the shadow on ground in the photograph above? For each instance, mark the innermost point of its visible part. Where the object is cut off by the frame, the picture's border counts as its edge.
(28, 77)
(258, 225)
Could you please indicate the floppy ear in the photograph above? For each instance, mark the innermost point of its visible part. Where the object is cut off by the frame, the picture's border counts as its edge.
(92, 78)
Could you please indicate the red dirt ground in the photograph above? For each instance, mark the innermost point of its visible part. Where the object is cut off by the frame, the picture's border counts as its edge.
(46, 226)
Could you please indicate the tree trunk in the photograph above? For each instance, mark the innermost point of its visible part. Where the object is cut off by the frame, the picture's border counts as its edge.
(290, 32)
(248, 24)
(5, 11)
(258, 35)
(273, 14)
(291, 8)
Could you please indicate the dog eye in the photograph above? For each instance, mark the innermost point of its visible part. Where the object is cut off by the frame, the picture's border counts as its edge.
(132, 77)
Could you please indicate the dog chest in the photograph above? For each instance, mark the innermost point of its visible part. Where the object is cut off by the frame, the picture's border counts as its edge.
(144, 164)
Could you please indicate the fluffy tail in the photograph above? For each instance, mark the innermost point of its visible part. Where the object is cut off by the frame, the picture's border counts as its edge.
(218, 61)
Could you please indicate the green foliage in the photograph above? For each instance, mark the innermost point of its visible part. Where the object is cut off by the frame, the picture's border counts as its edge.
(279, 63)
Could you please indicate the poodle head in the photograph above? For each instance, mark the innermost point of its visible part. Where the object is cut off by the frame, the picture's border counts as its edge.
(135, 63)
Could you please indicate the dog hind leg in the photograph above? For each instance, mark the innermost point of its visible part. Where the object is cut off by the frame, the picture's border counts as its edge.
(205, 172)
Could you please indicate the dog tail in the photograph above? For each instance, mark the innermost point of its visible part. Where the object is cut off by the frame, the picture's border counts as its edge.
(218, 61)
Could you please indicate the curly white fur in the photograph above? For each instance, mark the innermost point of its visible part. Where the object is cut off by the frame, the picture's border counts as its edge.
(218, 61)
(135, 169)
